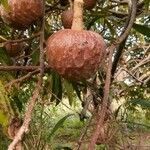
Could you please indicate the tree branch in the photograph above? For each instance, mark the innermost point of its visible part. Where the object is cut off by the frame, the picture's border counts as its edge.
(24, 128)
(102, 110)
(20, 40)
(122, 42)
(139, 80)
(21, 79)
(21, 68)
(143, 62)
(27, 119)
(117, 57)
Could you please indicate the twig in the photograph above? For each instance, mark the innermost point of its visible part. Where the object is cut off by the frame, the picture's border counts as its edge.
(21, 40)
(121, 45)
(22, 68)
(130, 24)
(42, 46)
(132, 75)
(4, 39)
(26, 56)
(21, 79)
(120, 2)
(146, 51)
(28, 114)
(24, 128)
(147, 80)
(102, 110)
(143, 62)
(63, 103)
(117, 57)
(144, 76)
(142, 146)
(83, 134)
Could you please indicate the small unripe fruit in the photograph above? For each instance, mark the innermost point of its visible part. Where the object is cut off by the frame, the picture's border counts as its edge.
(75, 54)
(67, 15)
(20, 14)
(89, 4)
(14, 49)
(67, 18)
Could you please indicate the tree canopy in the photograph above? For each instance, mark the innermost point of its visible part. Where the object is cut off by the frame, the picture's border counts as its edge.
(114, 99)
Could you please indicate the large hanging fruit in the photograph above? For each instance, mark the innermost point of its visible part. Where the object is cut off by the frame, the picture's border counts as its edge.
(22, 13)
(76, 53)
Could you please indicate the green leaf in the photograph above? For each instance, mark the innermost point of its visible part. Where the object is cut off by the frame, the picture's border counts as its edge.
(147, 3)
(4, 119)
(143, 29)
(133, 124)
(111, 28)
(77, 90)
(69, 90)
(117, 111)
(4, 58)
(35, 57)
(58, 125)
(145, 104)
(16, 102)
(6, 77)
(5, 4)
(56, 87)
(6, 112)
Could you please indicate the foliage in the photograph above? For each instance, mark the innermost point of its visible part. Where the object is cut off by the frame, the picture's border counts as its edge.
(129, 90)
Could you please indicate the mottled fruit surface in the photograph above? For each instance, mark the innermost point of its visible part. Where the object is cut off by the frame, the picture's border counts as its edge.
(67, 18)
(22, 13)
(75, 54)
(14, 49)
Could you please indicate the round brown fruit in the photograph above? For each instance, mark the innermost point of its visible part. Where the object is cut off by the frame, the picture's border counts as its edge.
(20, 14)
(75, 54)
(14, 49)
(67, 18)
(89, 4)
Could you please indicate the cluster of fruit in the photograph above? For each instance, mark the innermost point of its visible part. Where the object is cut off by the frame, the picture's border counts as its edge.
(74, 53)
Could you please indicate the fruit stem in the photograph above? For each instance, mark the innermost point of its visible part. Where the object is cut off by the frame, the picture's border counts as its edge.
(78, 15)
(71, 4)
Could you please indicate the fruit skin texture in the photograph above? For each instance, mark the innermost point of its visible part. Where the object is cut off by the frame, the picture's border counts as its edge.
(67, 18)
(20, 14)
(75, 54)
(14, 49)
